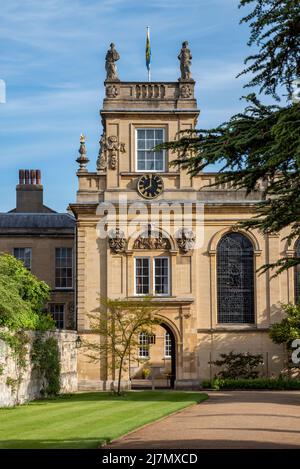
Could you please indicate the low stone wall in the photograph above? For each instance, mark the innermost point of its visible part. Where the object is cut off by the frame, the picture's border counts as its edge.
(31, 384)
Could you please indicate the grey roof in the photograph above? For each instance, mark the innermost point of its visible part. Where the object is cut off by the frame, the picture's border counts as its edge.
(36, 220)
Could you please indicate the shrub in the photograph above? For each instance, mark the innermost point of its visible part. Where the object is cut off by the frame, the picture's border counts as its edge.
(256, 383)
(238, 365)
(46, 360)
(22, 297)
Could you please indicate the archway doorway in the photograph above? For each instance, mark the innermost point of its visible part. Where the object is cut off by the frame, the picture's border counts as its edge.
(172, 376)
(155, 366)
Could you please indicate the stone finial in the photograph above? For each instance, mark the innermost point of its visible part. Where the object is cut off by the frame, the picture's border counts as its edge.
(185, 58)
(110, 64)
(82, 160)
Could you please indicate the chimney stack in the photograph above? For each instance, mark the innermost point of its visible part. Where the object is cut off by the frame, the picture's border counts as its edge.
(29, 192)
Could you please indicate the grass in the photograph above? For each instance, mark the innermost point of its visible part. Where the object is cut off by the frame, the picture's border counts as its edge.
(86, 420)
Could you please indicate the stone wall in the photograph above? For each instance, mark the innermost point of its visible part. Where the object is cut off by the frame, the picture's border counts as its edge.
(31, 382)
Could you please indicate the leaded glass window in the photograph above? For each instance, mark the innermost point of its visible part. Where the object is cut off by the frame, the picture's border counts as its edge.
(297, 273)
(235, 279)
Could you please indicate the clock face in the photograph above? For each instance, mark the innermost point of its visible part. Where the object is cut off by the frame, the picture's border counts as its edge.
(150, 186)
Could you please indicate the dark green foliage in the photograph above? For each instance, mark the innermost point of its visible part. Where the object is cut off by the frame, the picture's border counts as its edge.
(275, 30)
(260, 146)
(22, 297)
(238, 365)
(257, 383)
(288, 329)
(46, 360)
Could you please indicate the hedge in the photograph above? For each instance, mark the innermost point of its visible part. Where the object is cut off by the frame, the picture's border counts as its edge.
(256, 383)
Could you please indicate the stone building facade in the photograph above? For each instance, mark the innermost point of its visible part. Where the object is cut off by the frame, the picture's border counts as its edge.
(203, 277)
(44, 240)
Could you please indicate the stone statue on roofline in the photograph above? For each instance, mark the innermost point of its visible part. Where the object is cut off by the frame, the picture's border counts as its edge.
(110, 64)
(185, 58)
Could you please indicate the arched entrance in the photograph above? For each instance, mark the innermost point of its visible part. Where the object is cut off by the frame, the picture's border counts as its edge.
(155, 366)
(172, 375)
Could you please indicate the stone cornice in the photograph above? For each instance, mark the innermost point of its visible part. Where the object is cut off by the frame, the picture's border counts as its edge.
(84, 208)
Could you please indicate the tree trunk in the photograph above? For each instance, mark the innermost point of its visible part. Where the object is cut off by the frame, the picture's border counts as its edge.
(119, 377)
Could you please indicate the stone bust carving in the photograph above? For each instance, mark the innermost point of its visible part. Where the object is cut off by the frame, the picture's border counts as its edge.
(185, 58)
(110, 64)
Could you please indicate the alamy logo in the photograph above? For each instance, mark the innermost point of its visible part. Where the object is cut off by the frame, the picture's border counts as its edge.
(2, 92)
(296, 353)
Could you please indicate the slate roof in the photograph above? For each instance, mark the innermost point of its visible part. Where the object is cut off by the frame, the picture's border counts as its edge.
(37, 220)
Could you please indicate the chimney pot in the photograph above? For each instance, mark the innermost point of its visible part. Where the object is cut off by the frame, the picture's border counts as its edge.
(32, 176)
(38, 176)
(26, 176)
(21, 176)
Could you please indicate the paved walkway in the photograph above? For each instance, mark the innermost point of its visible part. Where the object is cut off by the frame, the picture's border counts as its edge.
(231, 419)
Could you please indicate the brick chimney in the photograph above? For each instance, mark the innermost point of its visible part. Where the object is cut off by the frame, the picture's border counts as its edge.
(30, 192)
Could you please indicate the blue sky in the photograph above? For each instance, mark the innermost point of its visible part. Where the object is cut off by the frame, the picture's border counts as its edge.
(52, 60)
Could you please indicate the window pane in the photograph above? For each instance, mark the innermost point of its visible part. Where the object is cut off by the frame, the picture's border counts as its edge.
(150, 144)
(141, 134)
(149, 134)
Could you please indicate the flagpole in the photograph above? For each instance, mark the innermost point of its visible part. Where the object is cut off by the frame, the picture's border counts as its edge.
(148, 37)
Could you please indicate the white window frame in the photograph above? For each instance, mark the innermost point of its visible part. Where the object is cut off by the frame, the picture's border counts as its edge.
(153, 274)
(24, 247)
(149, 277)
(167, 344)
(145, 346)
(72, 257)
(136, 151)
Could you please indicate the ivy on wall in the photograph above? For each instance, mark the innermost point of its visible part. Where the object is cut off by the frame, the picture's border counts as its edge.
(22, 298)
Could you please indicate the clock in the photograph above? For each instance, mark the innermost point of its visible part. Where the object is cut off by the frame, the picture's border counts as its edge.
(150, 186)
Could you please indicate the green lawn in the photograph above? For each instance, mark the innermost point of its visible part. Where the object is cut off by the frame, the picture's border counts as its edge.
(86, 420)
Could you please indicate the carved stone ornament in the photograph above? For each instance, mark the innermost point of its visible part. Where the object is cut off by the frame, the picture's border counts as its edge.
(185, 91)
(185, 58)
(102, 157)
(151, 240)
(185, 240)
(112, 91)
(108, 150)
(117, 241)
(113, 146)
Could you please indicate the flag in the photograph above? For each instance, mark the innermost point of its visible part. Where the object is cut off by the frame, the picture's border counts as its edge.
(148, 50)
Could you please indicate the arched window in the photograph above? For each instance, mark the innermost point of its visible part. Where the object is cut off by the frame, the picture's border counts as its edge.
(235, 279)
(297, 273)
